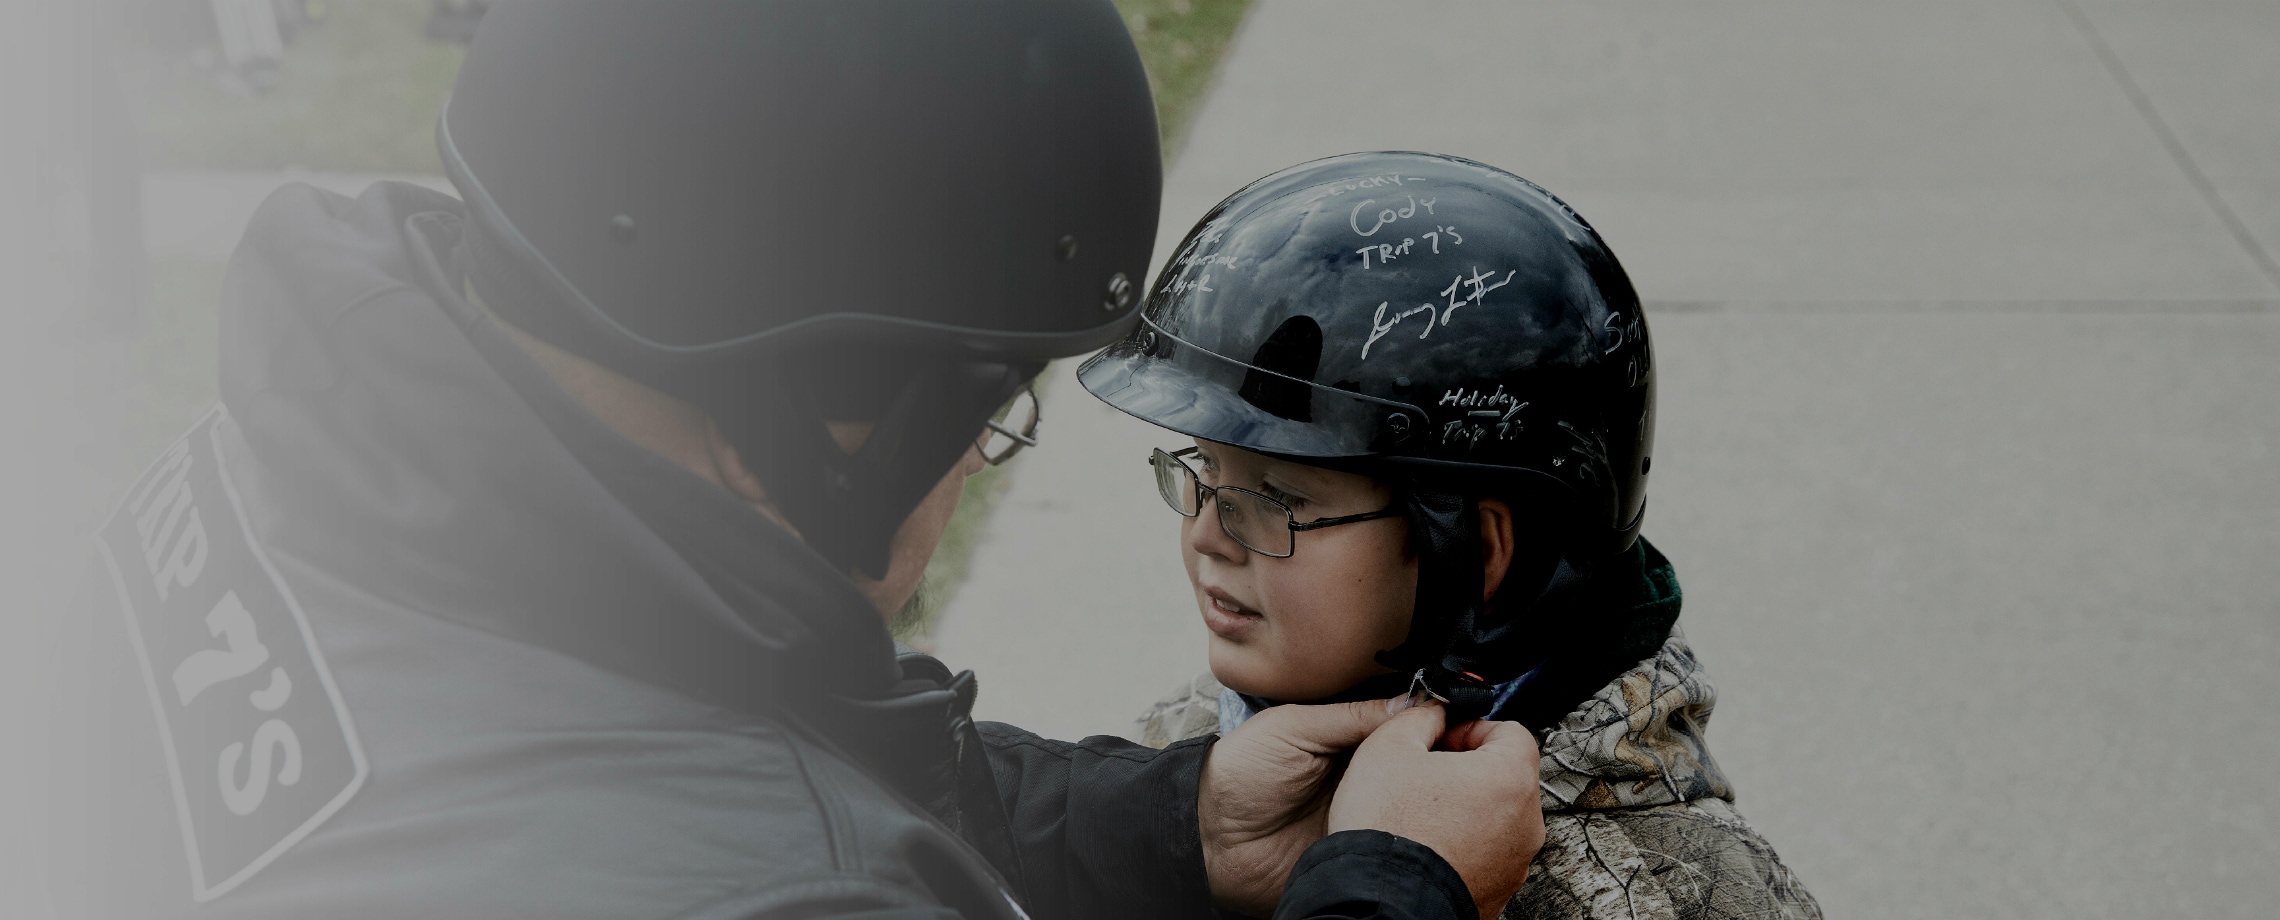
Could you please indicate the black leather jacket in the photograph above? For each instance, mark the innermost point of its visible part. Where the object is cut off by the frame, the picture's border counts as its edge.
(405, 632)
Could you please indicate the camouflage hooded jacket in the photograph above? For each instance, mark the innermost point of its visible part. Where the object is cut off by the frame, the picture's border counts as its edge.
(1639, 822)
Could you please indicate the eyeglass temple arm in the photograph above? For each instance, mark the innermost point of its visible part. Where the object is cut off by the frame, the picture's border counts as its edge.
(1026, 441)
(1174, 454)
(1348, 519)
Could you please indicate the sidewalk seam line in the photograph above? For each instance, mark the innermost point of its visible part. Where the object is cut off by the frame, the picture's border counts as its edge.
(2168, 138)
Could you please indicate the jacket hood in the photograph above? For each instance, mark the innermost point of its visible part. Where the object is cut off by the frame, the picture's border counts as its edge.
(1638, 741)
(406, 446)
(1589, 629)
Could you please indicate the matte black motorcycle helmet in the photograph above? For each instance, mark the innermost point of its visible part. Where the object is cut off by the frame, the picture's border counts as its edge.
(795, 212)
(1435, 322)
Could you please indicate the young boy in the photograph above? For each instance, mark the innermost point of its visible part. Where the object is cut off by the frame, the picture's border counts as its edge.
(1421, 398)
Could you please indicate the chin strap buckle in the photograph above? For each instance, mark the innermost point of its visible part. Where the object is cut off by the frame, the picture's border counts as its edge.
(1464, 693)
(1419, 692)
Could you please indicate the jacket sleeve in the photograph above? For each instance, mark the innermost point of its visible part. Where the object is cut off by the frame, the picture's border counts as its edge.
(1104, 828)
(1373, 875)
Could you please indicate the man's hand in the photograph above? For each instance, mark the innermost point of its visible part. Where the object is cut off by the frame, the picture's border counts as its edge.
(1474, 801)
(1265, 796)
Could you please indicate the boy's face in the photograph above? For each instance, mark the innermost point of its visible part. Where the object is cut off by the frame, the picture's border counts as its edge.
(1307, 626)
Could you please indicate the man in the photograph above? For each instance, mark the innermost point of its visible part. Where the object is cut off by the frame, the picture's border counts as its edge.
(537, 562)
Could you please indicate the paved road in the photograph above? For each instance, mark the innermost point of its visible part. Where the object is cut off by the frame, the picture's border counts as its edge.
(1968, 318)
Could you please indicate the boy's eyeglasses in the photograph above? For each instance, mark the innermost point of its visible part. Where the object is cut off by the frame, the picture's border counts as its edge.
(1012, 428)
(1261, 524)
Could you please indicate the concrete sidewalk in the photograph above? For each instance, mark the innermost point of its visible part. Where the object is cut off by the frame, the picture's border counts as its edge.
(1968, 316)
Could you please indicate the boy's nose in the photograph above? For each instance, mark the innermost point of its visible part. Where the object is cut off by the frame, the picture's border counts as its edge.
(1205, 535)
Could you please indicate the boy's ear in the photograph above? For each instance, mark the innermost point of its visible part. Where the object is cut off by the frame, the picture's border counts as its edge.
(1495, 545)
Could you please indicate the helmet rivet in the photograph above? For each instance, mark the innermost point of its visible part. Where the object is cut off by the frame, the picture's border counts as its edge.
(1119, 293)
(622, 229)
(1645, 463)
(1397, 424)
(1067, 248)
(1148, 340)
(1400, 381)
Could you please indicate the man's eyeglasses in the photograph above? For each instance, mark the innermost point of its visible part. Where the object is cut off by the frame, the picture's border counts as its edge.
(1012, 428)
(1261, 524)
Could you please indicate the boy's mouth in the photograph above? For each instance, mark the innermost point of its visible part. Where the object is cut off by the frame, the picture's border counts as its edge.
(1225, 616)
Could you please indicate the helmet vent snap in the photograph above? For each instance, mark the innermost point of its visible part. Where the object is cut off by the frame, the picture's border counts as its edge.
(1119, 293)
(1397, 427)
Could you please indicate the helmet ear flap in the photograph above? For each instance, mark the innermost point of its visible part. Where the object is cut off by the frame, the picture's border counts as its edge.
(1459, 643)
(787, 445)
(1444, 533)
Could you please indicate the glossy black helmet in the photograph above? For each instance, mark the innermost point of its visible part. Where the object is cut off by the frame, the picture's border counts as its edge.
(795, 212)
(1438, 323)
(1412, 315)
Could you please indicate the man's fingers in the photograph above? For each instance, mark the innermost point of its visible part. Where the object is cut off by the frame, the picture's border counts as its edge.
(1417, 727)
(1328, 729)
(1510, 738)
(1471, 735)
(1465, 737)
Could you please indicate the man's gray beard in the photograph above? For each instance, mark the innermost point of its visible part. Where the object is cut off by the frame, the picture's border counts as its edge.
(915, 611)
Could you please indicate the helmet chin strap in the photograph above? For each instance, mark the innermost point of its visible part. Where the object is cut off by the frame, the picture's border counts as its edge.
(848, 507)
(1444, 532)
(1460, 647)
